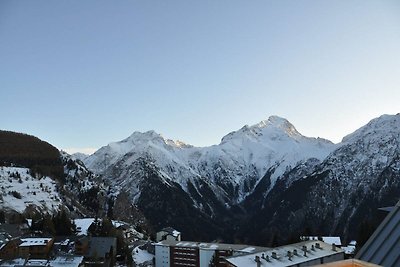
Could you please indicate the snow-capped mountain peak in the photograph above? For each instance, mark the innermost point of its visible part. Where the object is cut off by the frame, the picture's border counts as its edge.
(236, 164)
(378, 127)
(275, 128)
(154, 137)
(279, 123)
(144, 136)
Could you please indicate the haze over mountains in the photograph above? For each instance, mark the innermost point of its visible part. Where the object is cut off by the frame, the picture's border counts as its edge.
(262, 184)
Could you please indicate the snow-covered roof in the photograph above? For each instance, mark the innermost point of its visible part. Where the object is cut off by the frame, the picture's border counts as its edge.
(139, 255)
(66, 261)
(212, 246)
(353, 243)
(282, 258)
(175, 233)
(34, 262)
(349, 250)
(327, 239)
(27, 242)
(59, 261)
(12, 263)
(171, 231)
(83, 225)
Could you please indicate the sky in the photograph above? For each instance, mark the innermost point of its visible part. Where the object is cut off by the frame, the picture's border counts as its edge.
(82, 74)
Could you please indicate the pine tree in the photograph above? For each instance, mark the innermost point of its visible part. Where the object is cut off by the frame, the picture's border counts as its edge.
(2, 217)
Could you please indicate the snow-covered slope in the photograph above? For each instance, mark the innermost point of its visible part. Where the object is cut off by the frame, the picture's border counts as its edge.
(266, 174)
(346, 189)
(20, 190)
(79, 156)
(234, 166)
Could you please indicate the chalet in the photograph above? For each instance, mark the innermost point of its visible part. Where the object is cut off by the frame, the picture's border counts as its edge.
(35, 247)
(168, 233)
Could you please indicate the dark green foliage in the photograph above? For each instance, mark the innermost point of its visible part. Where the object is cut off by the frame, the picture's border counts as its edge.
(44, 224)
(59, 224)
(110, 206)
(23, 150)
(62, 223)
(89, 199)
(2, 217)
(71, 165)
(105, 228)
(275, 241)
(102, 227)
(16, 194)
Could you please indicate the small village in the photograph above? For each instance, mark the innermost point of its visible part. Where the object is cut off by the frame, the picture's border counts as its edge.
(101, 242)
(94, 242)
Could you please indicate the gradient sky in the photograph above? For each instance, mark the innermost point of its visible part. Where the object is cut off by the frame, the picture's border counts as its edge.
(81, 74)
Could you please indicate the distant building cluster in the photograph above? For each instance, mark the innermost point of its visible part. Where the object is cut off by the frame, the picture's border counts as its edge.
(20, 246)
(171, 251)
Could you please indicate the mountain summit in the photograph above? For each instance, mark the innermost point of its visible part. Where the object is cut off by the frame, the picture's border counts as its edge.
(244, 155)
(213, 179)
(340, 195)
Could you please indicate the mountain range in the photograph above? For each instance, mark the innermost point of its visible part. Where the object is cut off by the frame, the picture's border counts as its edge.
(264, 184)
(260, 183)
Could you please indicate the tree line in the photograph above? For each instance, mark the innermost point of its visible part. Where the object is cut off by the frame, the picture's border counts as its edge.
(22, 150)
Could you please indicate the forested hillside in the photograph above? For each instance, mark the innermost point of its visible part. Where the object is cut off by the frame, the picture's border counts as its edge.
(22, 150)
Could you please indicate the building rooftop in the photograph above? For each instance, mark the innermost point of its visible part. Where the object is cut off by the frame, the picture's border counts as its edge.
(66, 261)
(100, 246)
(171, 231)
(383, 246)
(212, 246)
(27, 242)
(286, 255)
(12, 263)
(327, 239)
(33, 262)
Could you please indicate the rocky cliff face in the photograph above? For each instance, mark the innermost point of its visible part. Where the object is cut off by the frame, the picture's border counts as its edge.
(260, 183)
(211, 181)
(337, 195)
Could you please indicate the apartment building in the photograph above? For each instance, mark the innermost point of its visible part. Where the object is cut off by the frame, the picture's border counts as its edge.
(172, 253)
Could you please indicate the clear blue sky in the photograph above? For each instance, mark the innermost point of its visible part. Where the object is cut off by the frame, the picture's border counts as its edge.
(81, 74)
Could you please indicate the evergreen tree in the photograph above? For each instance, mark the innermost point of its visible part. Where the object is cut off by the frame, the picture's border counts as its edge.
(48, 225)
(62, 223)
(2, 216)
